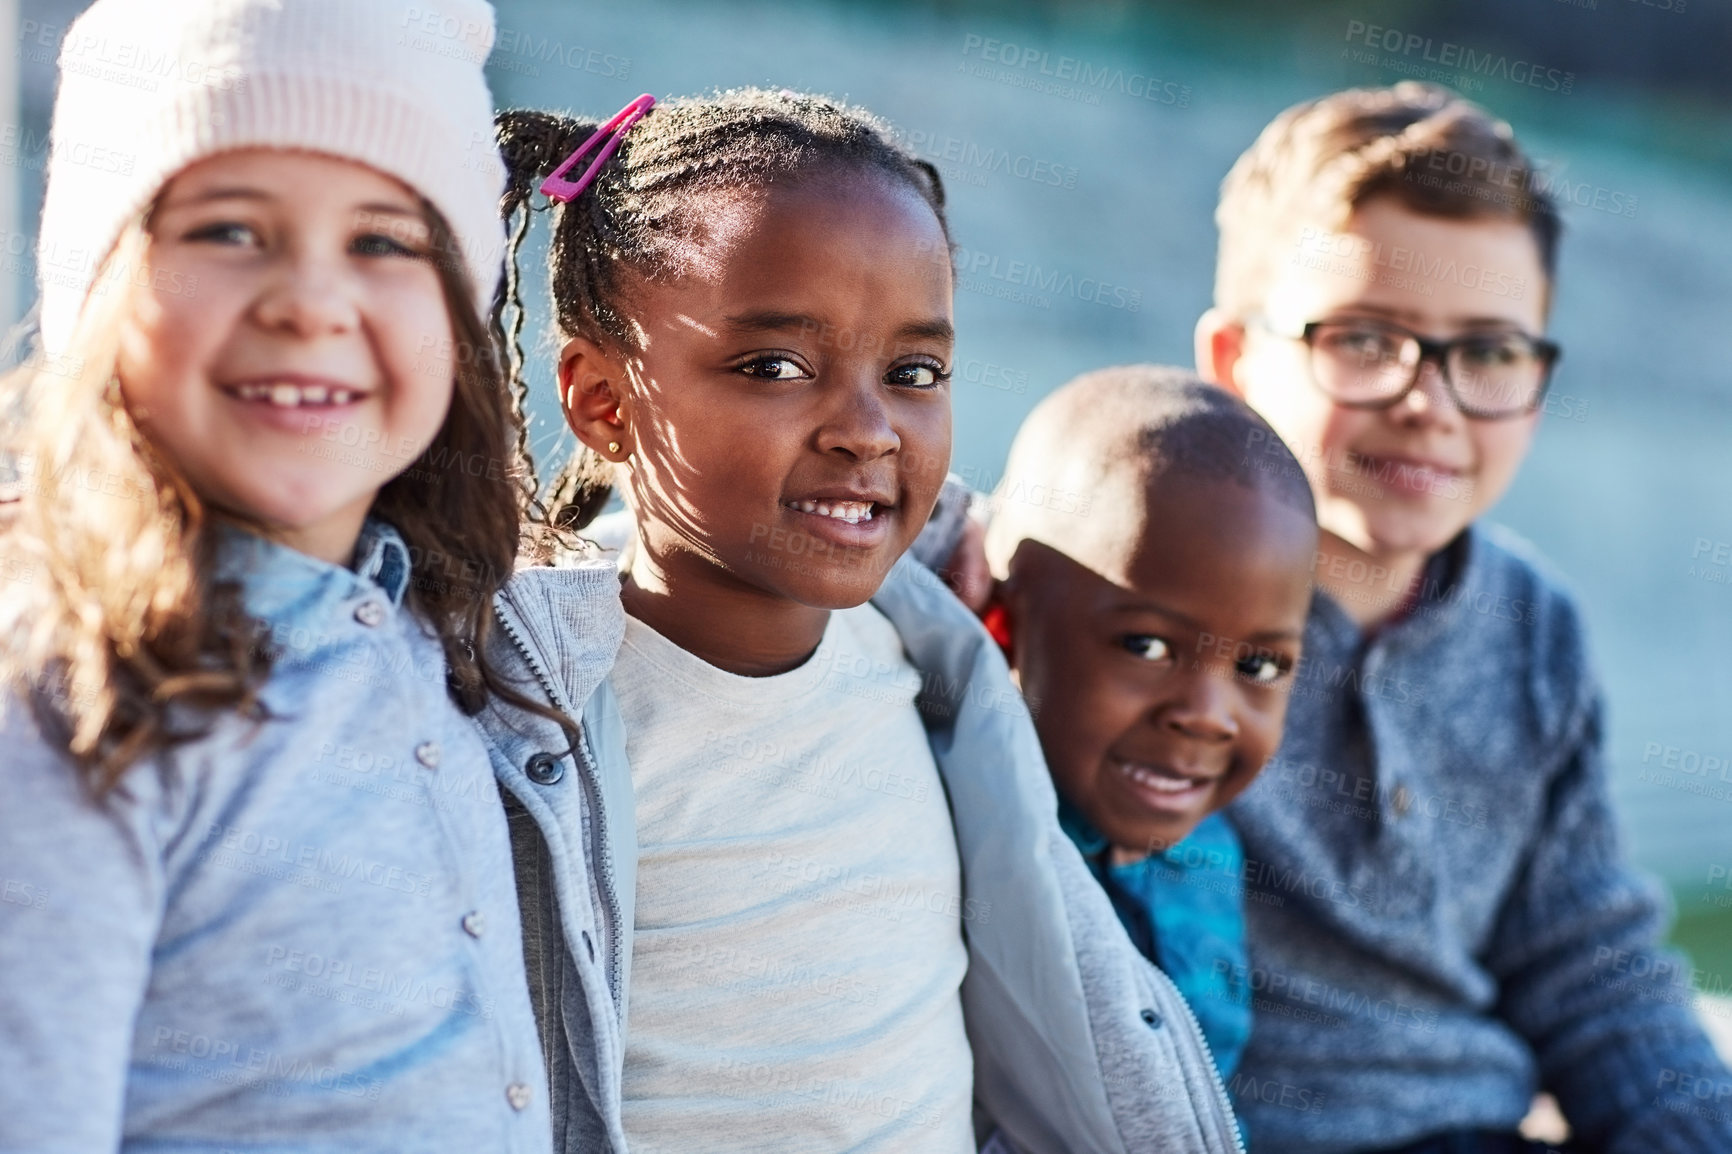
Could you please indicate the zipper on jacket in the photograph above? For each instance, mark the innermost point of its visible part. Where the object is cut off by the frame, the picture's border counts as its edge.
(1221, 1097)
(589, 775)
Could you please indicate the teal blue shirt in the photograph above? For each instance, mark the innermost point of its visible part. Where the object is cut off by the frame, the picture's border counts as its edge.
(1185, 910)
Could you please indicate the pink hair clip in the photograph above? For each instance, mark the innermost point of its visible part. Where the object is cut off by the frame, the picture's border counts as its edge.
(556, 187)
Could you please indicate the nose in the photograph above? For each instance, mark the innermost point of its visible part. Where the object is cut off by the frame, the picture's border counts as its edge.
(308, 295)
(1429, 400)
(858, 422)
(1203, 706)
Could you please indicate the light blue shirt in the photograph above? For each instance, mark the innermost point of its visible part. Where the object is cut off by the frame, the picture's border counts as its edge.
(294, 933)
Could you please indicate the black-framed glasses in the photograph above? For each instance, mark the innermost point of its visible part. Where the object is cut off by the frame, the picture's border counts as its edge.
(1366, 364)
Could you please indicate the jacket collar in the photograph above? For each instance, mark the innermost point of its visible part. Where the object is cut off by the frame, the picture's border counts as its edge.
(572, 620)
(1449, 575)
(279, 582)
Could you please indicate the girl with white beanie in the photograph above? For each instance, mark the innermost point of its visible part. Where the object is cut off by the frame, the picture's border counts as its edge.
(256, 883)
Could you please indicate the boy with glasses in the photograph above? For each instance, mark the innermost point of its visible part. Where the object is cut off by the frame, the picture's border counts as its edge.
(1442, 921)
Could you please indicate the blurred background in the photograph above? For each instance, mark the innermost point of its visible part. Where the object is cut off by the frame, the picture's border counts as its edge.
(1112, 183)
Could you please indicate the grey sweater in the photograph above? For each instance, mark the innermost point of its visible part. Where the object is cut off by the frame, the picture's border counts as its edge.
(1441, 917)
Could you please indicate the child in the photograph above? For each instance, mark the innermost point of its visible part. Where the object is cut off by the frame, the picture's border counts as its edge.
(1152, 588)
(1447, 919)
(266, 884)
(795, 912)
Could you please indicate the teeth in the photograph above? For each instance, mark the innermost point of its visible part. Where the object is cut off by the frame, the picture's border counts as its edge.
(852, 512)
(1164, 783)
(285, 395)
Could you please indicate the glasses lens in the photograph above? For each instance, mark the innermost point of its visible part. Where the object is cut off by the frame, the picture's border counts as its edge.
(1497, 374)
(1360, 363)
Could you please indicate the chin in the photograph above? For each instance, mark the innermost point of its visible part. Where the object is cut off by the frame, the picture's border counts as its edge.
(821, 594)
(1382, 533)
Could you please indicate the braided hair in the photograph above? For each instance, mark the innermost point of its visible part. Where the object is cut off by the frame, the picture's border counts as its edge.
(643, 216)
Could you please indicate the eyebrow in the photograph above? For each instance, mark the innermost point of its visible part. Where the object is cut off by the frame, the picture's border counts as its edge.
(247, 192)
(772, 320)
(1144, 605)
(220, 192)
(380, 208)
(1411, 316)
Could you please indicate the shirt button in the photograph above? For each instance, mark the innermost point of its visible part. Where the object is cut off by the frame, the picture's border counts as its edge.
(474, 924)
(369, 613)
(1401, 800)
(544, 769)
(518, 1095)
(427, 753)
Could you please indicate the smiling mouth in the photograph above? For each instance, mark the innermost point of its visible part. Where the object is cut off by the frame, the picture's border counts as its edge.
(293, 395)
(1160, 779)
(1398, 468)
(851, 512)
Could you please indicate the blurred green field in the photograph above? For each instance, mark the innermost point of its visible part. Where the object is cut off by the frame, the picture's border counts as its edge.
(1707, 938)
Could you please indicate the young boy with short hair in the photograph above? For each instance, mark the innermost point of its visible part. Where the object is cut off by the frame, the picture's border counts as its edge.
(1443, 898)
(1152, 588)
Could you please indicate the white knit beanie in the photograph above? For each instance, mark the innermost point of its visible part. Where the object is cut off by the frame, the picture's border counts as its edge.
(149, 86)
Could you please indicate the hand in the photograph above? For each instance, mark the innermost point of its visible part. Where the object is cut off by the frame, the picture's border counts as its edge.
(966, 570)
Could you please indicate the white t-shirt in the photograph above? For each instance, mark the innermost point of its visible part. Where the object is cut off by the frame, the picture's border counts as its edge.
(798, 946)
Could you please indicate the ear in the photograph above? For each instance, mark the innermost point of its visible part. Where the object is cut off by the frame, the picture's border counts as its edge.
(1220, 342)
(592, 394)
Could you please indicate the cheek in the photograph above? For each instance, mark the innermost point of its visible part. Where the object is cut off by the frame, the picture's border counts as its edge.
(1083, 706)
(160, 349)
(1502, 444)
(926, 444)
(415, 338)
(1276, 386)
(1260, 736)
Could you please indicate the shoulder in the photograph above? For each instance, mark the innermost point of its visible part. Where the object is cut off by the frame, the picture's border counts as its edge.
(1513, 583)
(581, 597)
(51, 811)
(1534, 592)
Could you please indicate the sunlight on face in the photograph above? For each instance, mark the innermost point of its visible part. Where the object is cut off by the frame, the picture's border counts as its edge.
(288, 345)
(791, 410)
(1402, 481)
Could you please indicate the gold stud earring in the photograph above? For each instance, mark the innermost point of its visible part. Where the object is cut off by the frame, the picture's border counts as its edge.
(613, 446)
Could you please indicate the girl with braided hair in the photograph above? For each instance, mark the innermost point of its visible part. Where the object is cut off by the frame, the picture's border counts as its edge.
(801, 885)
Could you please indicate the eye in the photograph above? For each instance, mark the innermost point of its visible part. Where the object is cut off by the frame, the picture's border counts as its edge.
(918, 375)
(1147, 646)
(225, 232)
(1363, 344)
(1495, 352)
(773, 369)
(1263, 668)
(378, 244)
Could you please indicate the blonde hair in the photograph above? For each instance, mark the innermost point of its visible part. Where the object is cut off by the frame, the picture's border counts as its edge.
(1425, 146)
(113, 626)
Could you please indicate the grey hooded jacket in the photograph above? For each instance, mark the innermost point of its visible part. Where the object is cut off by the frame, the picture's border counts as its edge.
(1080, 1046)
